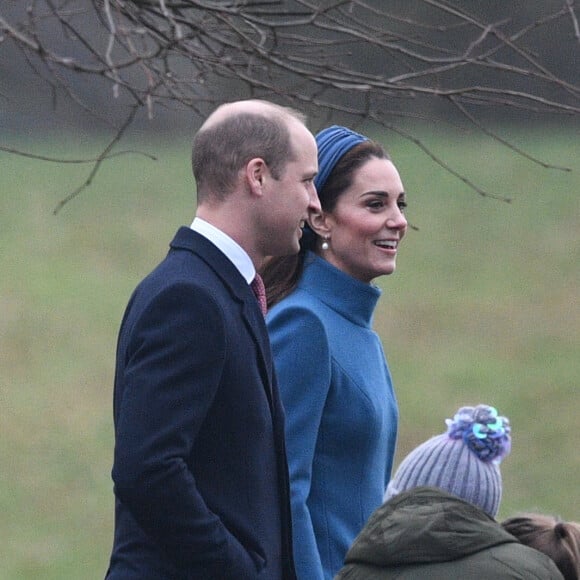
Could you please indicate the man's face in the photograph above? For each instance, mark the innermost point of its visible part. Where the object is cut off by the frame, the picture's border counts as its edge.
(291, 196)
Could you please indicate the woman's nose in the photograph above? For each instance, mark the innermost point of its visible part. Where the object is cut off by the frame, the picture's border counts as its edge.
(397, 221)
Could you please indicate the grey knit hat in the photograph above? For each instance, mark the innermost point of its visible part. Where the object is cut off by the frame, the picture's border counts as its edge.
(463, 461)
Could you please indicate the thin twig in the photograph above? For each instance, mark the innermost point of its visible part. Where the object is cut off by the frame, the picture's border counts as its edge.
(59, 160)
(509, 145)
(570, 6)
(98, 162)
(406, 135)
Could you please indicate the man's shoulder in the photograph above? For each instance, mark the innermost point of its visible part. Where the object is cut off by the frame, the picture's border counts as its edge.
(193, 267)
(190, 258)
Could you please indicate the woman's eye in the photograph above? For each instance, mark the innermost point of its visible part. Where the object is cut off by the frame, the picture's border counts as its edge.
(402, 205)
(377, 204)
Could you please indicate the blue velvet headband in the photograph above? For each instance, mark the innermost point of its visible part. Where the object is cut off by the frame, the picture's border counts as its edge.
(333, 143)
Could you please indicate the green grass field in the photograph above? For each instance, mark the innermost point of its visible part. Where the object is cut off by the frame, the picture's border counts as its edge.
(483, 308)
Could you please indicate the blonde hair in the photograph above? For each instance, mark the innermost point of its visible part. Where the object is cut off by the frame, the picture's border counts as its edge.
(557, 539)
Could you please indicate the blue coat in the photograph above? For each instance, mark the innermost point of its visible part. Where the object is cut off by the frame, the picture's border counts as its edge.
(341, 412)
(200, 473)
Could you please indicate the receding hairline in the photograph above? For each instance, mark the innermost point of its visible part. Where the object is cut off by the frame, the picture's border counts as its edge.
(252, 107)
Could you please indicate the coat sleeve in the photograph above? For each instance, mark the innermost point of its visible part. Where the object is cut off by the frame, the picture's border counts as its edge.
(173, 353)
(302, 361)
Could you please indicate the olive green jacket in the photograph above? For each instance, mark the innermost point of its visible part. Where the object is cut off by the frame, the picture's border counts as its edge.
(427, 534)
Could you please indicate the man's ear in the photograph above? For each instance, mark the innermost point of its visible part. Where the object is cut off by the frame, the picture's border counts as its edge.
(256, 174)
(320, 223)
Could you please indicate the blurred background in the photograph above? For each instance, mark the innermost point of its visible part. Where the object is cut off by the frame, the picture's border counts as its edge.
(483, 306)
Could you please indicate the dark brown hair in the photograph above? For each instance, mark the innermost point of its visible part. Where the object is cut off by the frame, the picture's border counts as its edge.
(281, 274)
(557, 539)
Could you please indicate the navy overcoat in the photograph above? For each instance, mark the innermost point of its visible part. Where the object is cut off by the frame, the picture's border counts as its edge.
(200, 473)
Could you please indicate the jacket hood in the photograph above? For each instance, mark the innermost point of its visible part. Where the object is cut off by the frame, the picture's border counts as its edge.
(425, 525)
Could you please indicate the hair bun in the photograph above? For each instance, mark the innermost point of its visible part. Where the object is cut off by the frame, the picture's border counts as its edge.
(483, 431)
(561, 530)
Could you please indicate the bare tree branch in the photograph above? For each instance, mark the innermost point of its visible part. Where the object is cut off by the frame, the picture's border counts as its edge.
(574, 18)
(509, 145)
(104, 155)
(365, 60)
(64, 161)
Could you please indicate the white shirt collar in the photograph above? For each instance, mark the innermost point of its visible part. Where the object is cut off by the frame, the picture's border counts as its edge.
(236, 254)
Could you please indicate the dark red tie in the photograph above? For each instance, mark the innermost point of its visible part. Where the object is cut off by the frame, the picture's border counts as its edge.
(260, 292)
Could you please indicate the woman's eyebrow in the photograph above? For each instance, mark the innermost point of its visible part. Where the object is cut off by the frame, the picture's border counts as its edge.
(383, 193)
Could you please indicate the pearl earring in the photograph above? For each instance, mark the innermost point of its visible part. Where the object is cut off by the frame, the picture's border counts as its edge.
(325, 245)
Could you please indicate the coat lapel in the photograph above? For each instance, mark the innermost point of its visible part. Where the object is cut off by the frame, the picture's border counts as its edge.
(241, 293)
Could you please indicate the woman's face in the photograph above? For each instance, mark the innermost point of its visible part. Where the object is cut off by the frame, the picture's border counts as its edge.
(368, 223)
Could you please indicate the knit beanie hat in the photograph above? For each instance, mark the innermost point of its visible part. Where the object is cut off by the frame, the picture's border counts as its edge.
(464, 461)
